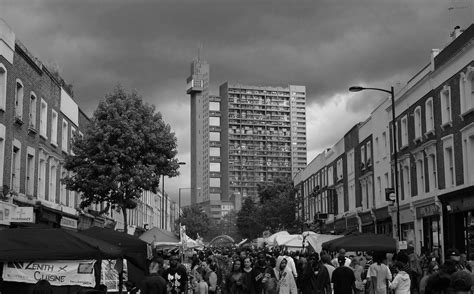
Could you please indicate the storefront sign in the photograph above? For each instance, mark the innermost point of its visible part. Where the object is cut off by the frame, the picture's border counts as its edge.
(6, 211)
(402, 245)
(23, 215)
(57, 273)
(427, 210)
(68, 222)
(366, 218)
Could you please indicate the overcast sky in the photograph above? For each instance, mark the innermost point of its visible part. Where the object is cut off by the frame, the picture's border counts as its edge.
(325, 45)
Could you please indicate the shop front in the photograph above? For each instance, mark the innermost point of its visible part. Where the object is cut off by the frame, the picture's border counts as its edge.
(383, 221)
(429, 216)
(407, 221)
(340, 226)
(367, 222)
(352, 224)
(458, 220)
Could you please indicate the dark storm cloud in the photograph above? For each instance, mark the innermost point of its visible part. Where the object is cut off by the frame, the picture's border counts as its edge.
(148, 45)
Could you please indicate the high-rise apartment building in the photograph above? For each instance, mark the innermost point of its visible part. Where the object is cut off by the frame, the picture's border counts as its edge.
(246, 136)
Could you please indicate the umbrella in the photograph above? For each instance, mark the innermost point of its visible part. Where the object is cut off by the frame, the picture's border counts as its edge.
(25, 244)
(362, 242)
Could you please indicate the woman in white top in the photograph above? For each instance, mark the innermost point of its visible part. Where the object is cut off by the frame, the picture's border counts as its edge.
(284, 276)
(201, 286)
(379, 274)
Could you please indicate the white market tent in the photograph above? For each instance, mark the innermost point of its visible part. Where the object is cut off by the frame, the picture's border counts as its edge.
(271, 240)
(315, 240)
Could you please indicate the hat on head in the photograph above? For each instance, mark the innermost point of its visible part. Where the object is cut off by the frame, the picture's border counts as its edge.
(454, 252)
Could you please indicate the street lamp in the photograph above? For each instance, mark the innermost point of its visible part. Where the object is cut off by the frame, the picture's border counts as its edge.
(163, 202)
(179, 197)
(395, 153)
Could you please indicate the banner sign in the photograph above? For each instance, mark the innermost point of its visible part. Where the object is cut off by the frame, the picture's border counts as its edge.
(57, 273)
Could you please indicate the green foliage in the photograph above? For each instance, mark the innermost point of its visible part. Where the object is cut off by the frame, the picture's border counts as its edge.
(227, 225)
(123, 152)
(248, 220)
(195, 220)
(275, 211)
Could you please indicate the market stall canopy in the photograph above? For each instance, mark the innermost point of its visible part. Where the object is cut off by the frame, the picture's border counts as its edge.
(289, 241)
(316, 240)
(271, 240)
(156, 235)
(362, 242)
(28, 244)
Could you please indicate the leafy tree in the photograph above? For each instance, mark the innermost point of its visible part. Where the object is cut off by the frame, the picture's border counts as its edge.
(278, 206)
(195, 220)
(124, 150)
(248, 221)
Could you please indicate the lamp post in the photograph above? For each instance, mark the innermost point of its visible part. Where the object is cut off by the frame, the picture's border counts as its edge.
(163, 202)
(395, 152)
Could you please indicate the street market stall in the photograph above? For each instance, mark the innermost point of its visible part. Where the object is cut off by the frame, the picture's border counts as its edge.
(362, 242)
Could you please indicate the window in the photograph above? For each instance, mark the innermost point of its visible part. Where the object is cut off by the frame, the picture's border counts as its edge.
(429, 115)
(214, 106)
(42, 177)
(43, 119)
(340, 171)
(445, 96)
(3, 86)
(215, 167)
(468, 153)
(362, 157)
(330, 176)
(466, 90)
(63, 192)
(65, 135)
(377, 149)
(52, 182)
(214, 136)
(350, 162)
(379, 189)
(2, 151)
(406, 179)
(30, 171)
(215, 182)
(19, 99)
(71, 137)
(369, 153)
(32, 111)
(404, 130)
(418, 131)
(432, 171)
(16, 164)
(420, 174)
(214, 121)
(54, 127)
(384, 144)
(215, 151)
(448, 153)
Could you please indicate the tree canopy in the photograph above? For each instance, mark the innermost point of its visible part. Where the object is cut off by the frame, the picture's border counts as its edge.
(195, 220)
(124, 150)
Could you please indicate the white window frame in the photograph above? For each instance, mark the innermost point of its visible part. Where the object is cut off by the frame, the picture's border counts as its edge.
(71, 138)
(430, 152)
(446, 107)
(429, 116)
(340, 171)
(417, 120)
(420, 173)
(3, 86)
(54, 127)
(466, 90)
(2, 152)
(406, 185)
(19, 96)
(362, 157)
(468, 153)
(404, 130)
(43, 159)
(44, 119)
(15, 166)
(385, 145)
(350, 162)
(63, 192)
(32, 110)
(330, 175)
(449, 163)
(30, 171)
(64, 135)
(369, 153)
(52, 182)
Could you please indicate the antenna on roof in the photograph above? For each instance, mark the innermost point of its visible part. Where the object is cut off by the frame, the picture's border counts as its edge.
(450, 10)
(199, 50)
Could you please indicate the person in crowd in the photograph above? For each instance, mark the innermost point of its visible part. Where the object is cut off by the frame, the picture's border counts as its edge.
(176, 276)
(269, 281)
(378, 274)
(210, 276)
(248, 285)
(235, 281)
(464, 263)
(321, 280)
(153, 283)
(335, 261)
(415, 266)
(401, 283)
(461, 282)
(291, 264)
(425, 261)
(257, 274)
(343, 277)
(284, 276)
(42, 287)
(326, 261)
(200, 285)
(305, 276)
(358, 272)
(433, 268)
(405, 260)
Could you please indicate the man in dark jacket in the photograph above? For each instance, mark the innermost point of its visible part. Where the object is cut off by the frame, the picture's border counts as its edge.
(343, 278)
(154, 283)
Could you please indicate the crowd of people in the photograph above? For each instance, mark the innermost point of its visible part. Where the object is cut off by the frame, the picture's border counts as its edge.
(234, 271)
